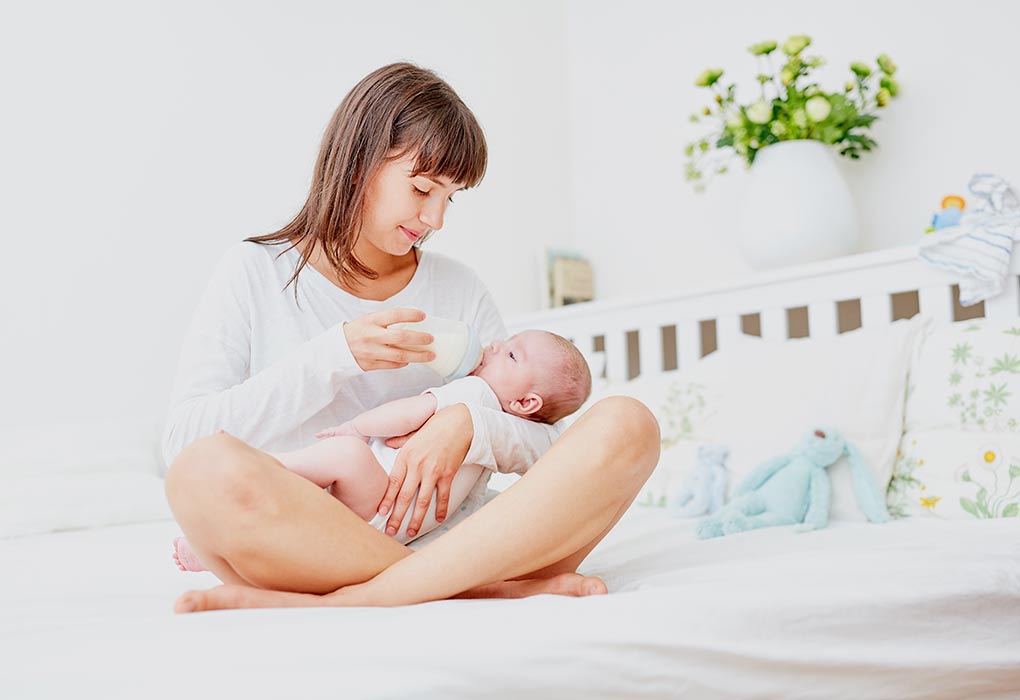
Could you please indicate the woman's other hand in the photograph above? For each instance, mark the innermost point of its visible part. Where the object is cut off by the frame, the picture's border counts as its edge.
(376, 346)
(429, 459)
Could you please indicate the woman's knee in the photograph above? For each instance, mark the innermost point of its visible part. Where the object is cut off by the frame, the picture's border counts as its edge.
(219, 466)
(627, 426)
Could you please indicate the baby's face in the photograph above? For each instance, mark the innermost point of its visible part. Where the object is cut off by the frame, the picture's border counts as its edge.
(514, 367)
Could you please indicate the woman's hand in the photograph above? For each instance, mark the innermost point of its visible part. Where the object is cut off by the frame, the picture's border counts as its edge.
(375, 346)
(430, 459)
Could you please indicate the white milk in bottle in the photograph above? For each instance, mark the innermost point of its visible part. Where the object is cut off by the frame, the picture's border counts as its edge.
(456, 345)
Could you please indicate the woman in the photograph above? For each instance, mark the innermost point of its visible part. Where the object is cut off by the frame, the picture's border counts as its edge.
(272, 370)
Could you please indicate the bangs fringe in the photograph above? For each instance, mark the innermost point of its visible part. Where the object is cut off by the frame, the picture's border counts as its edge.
(450, 145)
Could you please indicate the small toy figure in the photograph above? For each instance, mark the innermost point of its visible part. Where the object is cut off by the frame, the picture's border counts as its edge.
(704, 491)
(952, 212)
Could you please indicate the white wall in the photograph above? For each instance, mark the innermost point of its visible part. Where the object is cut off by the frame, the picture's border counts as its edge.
(141, 139)
(631, 69)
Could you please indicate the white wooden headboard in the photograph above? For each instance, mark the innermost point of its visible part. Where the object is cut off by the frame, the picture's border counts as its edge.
(650, 335)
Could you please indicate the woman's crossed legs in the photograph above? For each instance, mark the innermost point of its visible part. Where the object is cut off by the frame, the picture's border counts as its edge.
(282, 541)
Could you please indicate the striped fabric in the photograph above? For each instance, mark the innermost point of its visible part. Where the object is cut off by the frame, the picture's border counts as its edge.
(978, 249)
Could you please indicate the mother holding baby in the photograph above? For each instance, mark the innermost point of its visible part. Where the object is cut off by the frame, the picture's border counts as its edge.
(292, 335)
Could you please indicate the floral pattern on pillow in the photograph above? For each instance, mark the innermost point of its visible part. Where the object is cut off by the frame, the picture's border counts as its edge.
(681, 412)
(991, 496)
(681, 406)
(962, 460)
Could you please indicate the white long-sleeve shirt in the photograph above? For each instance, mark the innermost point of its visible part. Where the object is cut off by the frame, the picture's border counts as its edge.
(273, 372)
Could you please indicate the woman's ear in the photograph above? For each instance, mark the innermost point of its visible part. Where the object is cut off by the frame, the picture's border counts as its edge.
(527, 405)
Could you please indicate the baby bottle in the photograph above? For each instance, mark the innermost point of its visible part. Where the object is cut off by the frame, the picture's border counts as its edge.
(456, 345)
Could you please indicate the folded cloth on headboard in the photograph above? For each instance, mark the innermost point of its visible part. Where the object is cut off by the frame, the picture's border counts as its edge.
(978, 248)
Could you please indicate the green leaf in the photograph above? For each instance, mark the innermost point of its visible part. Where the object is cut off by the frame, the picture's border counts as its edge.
(982, 503)
(969, 506)
(1011, 511)
(1007, 363)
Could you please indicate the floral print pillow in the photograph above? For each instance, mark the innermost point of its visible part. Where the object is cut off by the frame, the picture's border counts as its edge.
(680, 402)
(959, 457)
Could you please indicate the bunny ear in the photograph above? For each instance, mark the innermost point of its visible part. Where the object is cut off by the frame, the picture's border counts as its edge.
(868, 497)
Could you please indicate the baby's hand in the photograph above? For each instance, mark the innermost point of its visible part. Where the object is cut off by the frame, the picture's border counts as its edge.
(343, 430)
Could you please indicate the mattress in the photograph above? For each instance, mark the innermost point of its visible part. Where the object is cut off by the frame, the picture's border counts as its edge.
(909, 609)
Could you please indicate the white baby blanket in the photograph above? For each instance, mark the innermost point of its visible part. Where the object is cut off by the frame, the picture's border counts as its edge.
(978, 248)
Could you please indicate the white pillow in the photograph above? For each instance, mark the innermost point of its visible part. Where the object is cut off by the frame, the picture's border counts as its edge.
(960, 453)
(32, 505)
(81, 447)
(759, 398)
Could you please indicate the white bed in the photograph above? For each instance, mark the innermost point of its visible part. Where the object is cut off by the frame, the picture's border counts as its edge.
(915, 608)
(912, 609)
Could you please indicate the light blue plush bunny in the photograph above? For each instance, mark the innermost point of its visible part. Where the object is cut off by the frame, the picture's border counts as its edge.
(795, 489)
(704, 491)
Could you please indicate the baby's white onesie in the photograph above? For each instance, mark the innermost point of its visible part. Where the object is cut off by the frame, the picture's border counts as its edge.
(465, 496)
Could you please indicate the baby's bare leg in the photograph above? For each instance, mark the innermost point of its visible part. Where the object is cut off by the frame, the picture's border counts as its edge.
(344, 465)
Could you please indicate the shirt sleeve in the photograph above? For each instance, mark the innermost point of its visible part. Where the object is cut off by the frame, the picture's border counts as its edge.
(466, 390)
(502, 441)
(213, 389)
(507, 443)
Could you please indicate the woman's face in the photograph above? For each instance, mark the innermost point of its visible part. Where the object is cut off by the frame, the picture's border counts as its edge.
(400, 209)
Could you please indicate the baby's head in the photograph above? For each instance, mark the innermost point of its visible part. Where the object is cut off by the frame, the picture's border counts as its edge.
(536, 375)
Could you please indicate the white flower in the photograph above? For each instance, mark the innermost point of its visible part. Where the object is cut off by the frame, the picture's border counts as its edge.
(818, 108)
(990, 457)
(760, 112)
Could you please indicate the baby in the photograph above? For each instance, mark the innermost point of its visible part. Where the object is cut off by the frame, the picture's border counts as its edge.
(535, 375)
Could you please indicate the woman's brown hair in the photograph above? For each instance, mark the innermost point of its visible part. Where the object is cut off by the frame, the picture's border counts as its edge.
(398, 107)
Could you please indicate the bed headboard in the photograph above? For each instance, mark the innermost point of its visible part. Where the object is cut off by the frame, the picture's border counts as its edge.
(650, 335)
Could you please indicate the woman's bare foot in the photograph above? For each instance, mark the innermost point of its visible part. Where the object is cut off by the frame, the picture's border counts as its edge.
(184, 557)
(574, 585)
(230, 596)
(233, 596)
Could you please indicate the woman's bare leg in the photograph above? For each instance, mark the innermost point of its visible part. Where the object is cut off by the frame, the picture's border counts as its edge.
(228, 498)
(601, 462)
(273, 528)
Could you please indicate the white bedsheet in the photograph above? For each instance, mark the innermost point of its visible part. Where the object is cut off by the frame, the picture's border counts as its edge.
(910, 609)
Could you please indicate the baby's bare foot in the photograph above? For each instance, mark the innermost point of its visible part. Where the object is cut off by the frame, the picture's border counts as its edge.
(184, 557)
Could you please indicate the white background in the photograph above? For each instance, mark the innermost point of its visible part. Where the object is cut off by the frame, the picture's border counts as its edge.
(140, 139)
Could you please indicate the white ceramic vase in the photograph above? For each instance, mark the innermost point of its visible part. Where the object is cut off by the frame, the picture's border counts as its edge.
(797, 207)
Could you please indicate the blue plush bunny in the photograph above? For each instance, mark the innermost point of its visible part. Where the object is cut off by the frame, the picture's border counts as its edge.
(704, 491)
(794, 489)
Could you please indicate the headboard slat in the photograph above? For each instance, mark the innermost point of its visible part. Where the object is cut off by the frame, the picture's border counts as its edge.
(728, 330)
(937, 302)
(1007, 304)
(876, 310)
(616, 354)
(650, 348)
(822, 319)
(773, 324)
(688, 343)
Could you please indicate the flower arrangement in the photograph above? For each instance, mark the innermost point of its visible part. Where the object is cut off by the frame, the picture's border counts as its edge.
(789, 107)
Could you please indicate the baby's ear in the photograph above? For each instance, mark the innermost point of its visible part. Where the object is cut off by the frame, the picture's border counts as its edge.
(527, 405)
